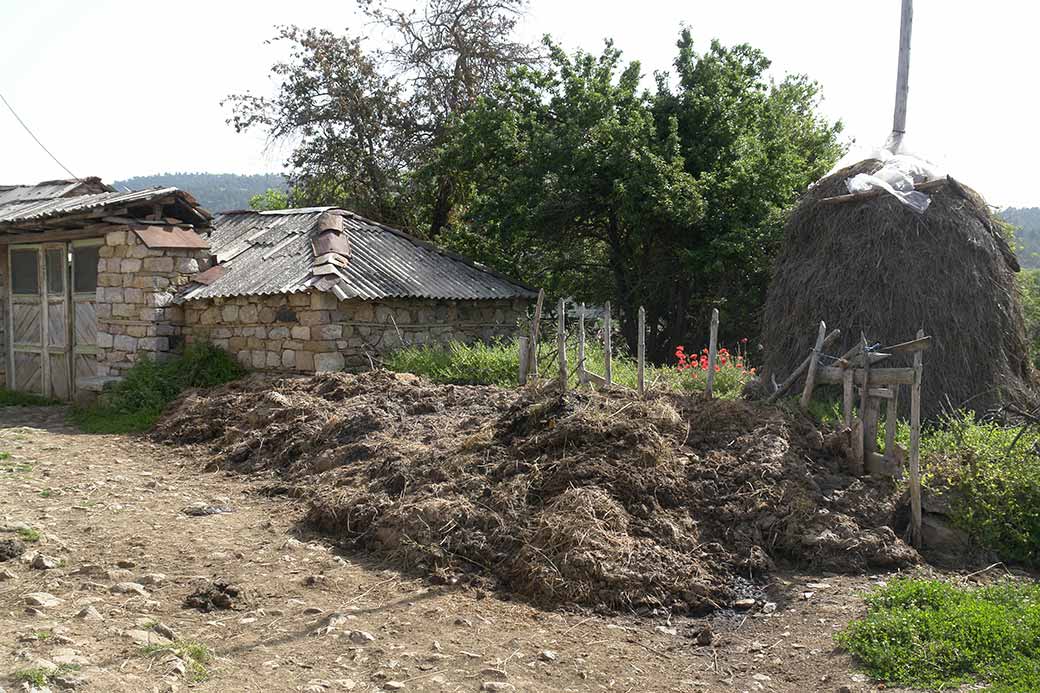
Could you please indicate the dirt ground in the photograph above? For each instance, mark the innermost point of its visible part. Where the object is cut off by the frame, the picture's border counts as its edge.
(111, 511)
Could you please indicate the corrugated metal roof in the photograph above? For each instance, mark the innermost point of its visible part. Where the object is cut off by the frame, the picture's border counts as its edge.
(271, 253)
(35, 210)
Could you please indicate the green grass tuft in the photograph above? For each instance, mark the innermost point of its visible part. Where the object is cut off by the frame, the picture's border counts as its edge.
(194, 654)
(29, 535)
(930, 634)
(134, 404)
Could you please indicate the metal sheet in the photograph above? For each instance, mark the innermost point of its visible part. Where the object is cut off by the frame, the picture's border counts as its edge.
(170, 237)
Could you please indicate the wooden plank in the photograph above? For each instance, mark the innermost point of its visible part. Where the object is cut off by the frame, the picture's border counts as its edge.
(881, 392)
(831, 375)
(856, 463)
(915, 447)
(913, 345)
(797, 373)
(906, 21)
(891, 423)
(533, 348)
(641, 354)
(713, 352)
(525, 359)
(814, 362)
(561, 341)
(864, 412)
(582, 379)
(871, 417)
(847, 394)
(607, 356)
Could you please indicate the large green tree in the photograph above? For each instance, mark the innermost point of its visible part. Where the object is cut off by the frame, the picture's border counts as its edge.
(672, 199)
(363, 117)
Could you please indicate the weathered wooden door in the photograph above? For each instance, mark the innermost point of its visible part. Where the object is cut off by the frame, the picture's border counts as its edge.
(47, 303)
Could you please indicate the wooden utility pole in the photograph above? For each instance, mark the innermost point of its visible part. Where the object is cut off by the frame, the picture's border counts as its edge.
(902, 76)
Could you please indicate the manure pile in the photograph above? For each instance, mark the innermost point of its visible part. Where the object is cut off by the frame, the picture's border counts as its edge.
(608, 502)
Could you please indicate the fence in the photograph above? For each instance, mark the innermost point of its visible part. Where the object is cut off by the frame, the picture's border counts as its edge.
(529, 350)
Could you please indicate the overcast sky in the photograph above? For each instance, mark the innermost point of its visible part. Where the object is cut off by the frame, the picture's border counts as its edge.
(120, 88)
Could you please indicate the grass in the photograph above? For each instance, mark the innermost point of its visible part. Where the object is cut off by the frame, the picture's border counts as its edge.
(29, 535)
(10, 398)
(41, 677)
(931, 634)
(133, 404)
(498, 364)
(193, 653)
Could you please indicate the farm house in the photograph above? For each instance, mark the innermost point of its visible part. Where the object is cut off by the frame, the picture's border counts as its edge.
(92, 279)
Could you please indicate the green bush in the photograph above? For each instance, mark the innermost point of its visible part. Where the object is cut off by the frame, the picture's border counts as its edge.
(135, 402)
(499, 364)
(928, 633)
(10, 398)
(1029, 291)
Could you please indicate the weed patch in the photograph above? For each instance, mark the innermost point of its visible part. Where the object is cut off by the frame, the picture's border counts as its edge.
(134, 403)
(928, 633)
(29, 535)
(10, 398)
(194, 654)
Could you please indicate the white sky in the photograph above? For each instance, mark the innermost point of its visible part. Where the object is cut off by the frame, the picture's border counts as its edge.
(118, 88)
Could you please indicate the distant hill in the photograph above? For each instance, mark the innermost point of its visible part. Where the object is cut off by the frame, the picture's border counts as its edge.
(217, 192)
(1027, 233)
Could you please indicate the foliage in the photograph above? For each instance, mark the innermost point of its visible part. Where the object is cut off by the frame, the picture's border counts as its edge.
(270, 199)
(1026, 223)
(29, 535)
(41, 676)
(927, 633)
(136, 401)
(12, 398)
(498, 364)
(585, 184)
(363, 121)
(1029, 292)
(732, 372)
(216, 192)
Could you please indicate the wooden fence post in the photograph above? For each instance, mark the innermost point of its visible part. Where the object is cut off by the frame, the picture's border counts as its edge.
(561, 342)
(713, 352)
(532, 348)
(607, 375)
(915, 447)
(814, 362)
(641, 353)
(583, 379)
(525, 359)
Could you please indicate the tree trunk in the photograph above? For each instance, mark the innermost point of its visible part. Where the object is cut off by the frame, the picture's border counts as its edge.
(442, 206)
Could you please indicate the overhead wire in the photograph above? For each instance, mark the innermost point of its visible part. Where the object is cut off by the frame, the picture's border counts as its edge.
(35, 138)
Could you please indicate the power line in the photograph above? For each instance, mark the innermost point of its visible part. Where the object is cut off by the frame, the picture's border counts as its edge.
(37, 139)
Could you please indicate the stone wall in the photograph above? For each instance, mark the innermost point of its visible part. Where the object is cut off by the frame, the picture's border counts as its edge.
(135, 310)
(4, 356)
(313, 331)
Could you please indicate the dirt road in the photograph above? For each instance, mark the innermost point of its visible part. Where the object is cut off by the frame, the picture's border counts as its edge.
(99, 597)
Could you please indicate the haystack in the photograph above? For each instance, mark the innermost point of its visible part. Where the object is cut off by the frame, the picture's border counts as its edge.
(873, 266)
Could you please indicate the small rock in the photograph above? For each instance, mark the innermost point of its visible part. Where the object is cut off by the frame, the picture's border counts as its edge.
(859, 678)
(165, 631)
(119, 575)
(89, 613)
(844, 689)
(465, 622)
(705, 636)
(11, 548)
(360, 637)
(69, 658)
(768, 607)
(393, 686)
(547, 656)
(761, 677)
(665, 630)
(128, 588)
(41, 562)
(152, 579)
(807, 595)
(203, 509)
(42, 599)
(145, 637)
(126, 563)
(744, 604)
(494, 674)
(497, 686)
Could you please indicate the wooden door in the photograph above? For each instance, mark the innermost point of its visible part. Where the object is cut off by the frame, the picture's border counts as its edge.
(26, 290)
(41, 321)
(84, 316)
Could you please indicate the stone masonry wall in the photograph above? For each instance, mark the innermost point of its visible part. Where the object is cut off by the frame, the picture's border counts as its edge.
(3, 318)
(135, 310)
(313, 331)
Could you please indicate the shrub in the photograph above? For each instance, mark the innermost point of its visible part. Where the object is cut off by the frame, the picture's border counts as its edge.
(135, 402)
(731, 371)
(927, 633)
(10, 398)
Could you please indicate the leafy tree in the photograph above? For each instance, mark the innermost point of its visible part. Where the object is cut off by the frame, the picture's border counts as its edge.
(673, 199)
(270, 199)
(364, 121)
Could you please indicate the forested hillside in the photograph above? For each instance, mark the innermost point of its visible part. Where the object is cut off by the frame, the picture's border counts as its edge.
(217, 192)
(1027, 233)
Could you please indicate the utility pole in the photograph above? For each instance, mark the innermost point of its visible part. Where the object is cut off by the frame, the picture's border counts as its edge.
(902, 77)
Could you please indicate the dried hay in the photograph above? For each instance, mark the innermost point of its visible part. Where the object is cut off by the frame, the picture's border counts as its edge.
(875, 267)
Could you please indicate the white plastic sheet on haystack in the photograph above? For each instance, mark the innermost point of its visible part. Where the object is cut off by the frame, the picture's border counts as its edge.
(899, 173)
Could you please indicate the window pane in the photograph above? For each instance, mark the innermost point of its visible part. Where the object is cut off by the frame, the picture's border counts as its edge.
(25, 278)
(55, 271)
(84, 263)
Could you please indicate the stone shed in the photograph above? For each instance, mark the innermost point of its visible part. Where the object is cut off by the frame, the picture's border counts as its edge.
(324, 289)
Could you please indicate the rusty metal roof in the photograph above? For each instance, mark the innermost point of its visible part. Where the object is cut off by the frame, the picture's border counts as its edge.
(273, 253)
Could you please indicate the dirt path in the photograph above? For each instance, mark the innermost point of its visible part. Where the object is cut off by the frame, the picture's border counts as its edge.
(110, 511)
